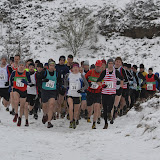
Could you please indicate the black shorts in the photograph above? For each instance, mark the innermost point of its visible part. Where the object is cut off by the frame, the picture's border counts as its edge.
(31, 99)
(48, 94)
(4, 93)
(93, 98)
(125, 93)
(76, 100)
(119, 92)
(143, 93)
(21, 93)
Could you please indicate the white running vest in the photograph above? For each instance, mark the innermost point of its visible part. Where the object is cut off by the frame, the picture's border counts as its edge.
(3, 77)
(32, 90)
(110, 81)
(74, 84)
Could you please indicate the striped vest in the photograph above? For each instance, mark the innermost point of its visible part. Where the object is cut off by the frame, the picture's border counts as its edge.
(110, 81)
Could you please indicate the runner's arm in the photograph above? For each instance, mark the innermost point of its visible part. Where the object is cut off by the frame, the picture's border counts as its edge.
(99, 80)
(86, 85)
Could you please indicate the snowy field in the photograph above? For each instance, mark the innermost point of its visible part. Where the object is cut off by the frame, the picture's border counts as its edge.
(121, 141)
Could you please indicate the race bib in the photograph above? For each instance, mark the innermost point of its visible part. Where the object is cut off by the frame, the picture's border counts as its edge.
(2, 77)
(135, 85)
(109, 84)
(73, 86)
(94, 85)
(19, 83)
(50, 84)
(150, 87)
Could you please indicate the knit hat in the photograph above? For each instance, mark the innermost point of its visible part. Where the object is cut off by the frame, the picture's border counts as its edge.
(21, 62)
(110, 60)
(86, 63)
(40, 65)
(141, 66)
(32, 64)
(104, 61)
(4, 56)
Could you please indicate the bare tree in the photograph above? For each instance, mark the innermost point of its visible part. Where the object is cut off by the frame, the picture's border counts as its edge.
(76, 30)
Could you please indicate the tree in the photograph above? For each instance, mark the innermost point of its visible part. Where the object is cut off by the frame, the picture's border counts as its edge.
(76, 30)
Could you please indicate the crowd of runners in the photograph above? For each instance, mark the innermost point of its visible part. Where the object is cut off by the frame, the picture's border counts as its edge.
(71, 90)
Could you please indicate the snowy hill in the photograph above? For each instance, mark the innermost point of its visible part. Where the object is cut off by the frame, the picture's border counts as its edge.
(33, 23)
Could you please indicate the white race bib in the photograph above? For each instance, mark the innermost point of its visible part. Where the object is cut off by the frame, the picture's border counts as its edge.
(50, 84)
(109, 84)
(150, 87)
(135, 85)
(2, 76)
(94, 85)
(73, 86)
(19, 83)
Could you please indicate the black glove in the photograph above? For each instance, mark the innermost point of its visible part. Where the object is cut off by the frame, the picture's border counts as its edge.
(7, 84)
(31, 85)
(45, 80)
(79, 91)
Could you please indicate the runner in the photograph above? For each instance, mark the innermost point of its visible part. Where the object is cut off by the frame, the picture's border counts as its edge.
(151, 83)
(109, 77)
(5, 72)
(62, 70)
(19, 81)
(143, 94)
(74, 82)
(31, 93)
(94, 93)
(49, 93)
(69, 61)
(14, 67)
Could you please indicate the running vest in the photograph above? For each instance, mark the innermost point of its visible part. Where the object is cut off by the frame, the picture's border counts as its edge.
(14, 67)
(75, 84)
(144, 74)
(120, 70)
(32, 90)
(150, 83)
(93, 79)
(110, 81)
(51, 84)
(3, 76)
(17, 84)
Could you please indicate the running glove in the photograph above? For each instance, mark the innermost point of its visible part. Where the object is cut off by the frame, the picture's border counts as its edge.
(24, 81)
(79, 91)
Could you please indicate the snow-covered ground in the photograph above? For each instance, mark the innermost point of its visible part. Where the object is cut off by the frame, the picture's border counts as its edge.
(134, 136)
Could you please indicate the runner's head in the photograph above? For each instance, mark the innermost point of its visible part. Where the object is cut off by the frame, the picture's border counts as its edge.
(4, 60)
(150, 71)
(51, 65)
(70, 58)
(110, 64)
(125, 66)
(118, 62)
(62, 60)
(39, 67)
(11, 60)
(16, 58)
(21, 65)
(86, 65)
(129, 66)
(36, 63)
(103, 64)
(75, 68)
(28, 62)
(134, 68)
(141, 68)
(31, 67)
(98, 66)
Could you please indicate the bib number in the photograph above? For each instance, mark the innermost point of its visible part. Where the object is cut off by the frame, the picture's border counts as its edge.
(19, 83)
(135, 85)
(94, 85)
(50, 84)
(73, 86)
(150, 87)
(109, 84)
(2, 77)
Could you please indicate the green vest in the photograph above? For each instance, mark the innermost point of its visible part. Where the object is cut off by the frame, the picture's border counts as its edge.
(51, 84)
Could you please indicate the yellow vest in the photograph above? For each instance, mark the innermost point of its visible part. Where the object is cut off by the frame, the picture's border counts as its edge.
(144, 74)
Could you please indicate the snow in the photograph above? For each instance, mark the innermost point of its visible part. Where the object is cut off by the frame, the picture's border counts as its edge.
(122, 140)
